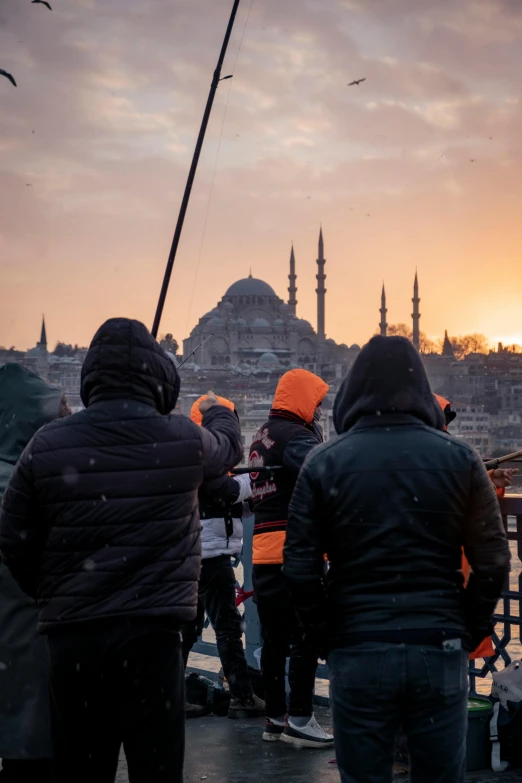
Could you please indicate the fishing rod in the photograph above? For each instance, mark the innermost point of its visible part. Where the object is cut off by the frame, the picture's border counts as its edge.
(492, 464)
(193, 168)
(194, 351)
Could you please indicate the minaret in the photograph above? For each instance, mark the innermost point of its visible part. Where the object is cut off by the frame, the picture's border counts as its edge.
(447, 348)
(42, 345)
(416, 314)
(383, 324)
(321, 290)
(292, 302)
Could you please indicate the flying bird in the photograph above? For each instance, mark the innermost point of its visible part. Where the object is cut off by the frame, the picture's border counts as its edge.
(472, 160)
(357, 82)
(42, 2)
(8, 76)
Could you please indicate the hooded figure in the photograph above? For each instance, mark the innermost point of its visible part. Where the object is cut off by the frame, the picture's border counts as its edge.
(26, 404)
(284, 442)
(100, 523)
(221, 510)
(392, 501)
(290, 433)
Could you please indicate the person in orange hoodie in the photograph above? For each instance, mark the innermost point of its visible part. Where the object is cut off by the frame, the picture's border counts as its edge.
(289, 435)
(501, 479)
(220, 510)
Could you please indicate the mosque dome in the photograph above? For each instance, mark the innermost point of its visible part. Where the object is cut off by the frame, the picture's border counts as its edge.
(304, 326)
(228, 306)
(268, 358)
(241, 323)
(279, 323)
(216, 321)
(260, 322)
(250, 286)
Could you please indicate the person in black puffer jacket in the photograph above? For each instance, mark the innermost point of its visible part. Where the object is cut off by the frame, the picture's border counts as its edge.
(100, 523)
(392, 501)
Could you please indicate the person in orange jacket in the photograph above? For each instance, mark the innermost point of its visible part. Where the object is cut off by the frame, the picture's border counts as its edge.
(221, 509)
(501, 478)
(290, 434)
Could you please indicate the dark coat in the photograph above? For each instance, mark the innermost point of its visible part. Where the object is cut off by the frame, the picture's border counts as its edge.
(392, 501)
(26, 404)
(100, 518)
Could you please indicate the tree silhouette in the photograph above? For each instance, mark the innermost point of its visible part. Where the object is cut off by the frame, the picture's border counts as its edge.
(403, 330)
(168, 343)
(469, 343)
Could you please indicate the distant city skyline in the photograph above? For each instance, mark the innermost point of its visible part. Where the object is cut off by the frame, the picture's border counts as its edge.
(96, 140)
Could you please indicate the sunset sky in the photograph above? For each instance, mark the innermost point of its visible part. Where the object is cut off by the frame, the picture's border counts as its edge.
(96, 141)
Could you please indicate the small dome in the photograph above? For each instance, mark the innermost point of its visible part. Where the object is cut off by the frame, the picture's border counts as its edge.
(330, 341)
(250, 286)
(355, 347)
(260, 322)
(279, 322)
(268, 358)
(241, 323)
(216, 321)
(304, 326)
(228, 306)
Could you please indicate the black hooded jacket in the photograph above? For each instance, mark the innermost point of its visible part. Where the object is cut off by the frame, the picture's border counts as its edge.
(100, 517)
(392, 501)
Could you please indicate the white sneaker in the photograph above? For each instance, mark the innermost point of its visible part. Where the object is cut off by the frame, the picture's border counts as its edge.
(309, 736)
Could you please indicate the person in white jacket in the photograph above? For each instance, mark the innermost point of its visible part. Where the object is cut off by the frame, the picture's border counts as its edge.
(221, 508)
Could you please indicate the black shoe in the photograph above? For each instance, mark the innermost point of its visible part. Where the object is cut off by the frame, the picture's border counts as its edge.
(273, 730)
(195, 711)
(251, 707)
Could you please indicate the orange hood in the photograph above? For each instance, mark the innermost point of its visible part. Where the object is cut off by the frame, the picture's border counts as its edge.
(443, 402)
(197, 417)
(300, 392)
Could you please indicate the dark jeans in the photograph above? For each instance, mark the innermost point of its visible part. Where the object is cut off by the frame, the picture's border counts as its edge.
(26, 771)
(282, 638)
(217, 597)
(377, 687)
(116, 684)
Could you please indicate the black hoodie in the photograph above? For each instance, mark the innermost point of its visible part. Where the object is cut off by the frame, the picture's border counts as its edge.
(388, 376)
(100, 517)
(392, 501)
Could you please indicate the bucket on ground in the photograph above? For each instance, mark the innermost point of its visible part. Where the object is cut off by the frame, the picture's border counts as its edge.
(480, 711)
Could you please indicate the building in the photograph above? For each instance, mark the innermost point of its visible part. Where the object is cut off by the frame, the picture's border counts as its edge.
(252, 330)
(473, 424)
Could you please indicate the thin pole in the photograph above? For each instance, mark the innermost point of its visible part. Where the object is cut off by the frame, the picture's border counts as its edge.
(192, 173)
(194, 351)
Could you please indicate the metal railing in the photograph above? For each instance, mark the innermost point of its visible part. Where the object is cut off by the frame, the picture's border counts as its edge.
(507, 634)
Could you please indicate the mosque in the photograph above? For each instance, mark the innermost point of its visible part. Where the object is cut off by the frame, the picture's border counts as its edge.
(252, 329)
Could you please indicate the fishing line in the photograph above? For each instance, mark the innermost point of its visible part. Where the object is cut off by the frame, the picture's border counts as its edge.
(211, 192)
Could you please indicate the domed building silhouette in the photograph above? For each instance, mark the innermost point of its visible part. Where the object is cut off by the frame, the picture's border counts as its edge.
(253, 328)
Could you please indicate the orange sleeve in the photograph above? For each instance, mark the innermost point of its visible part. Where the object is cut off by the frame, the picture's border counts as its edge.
(500, 490)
